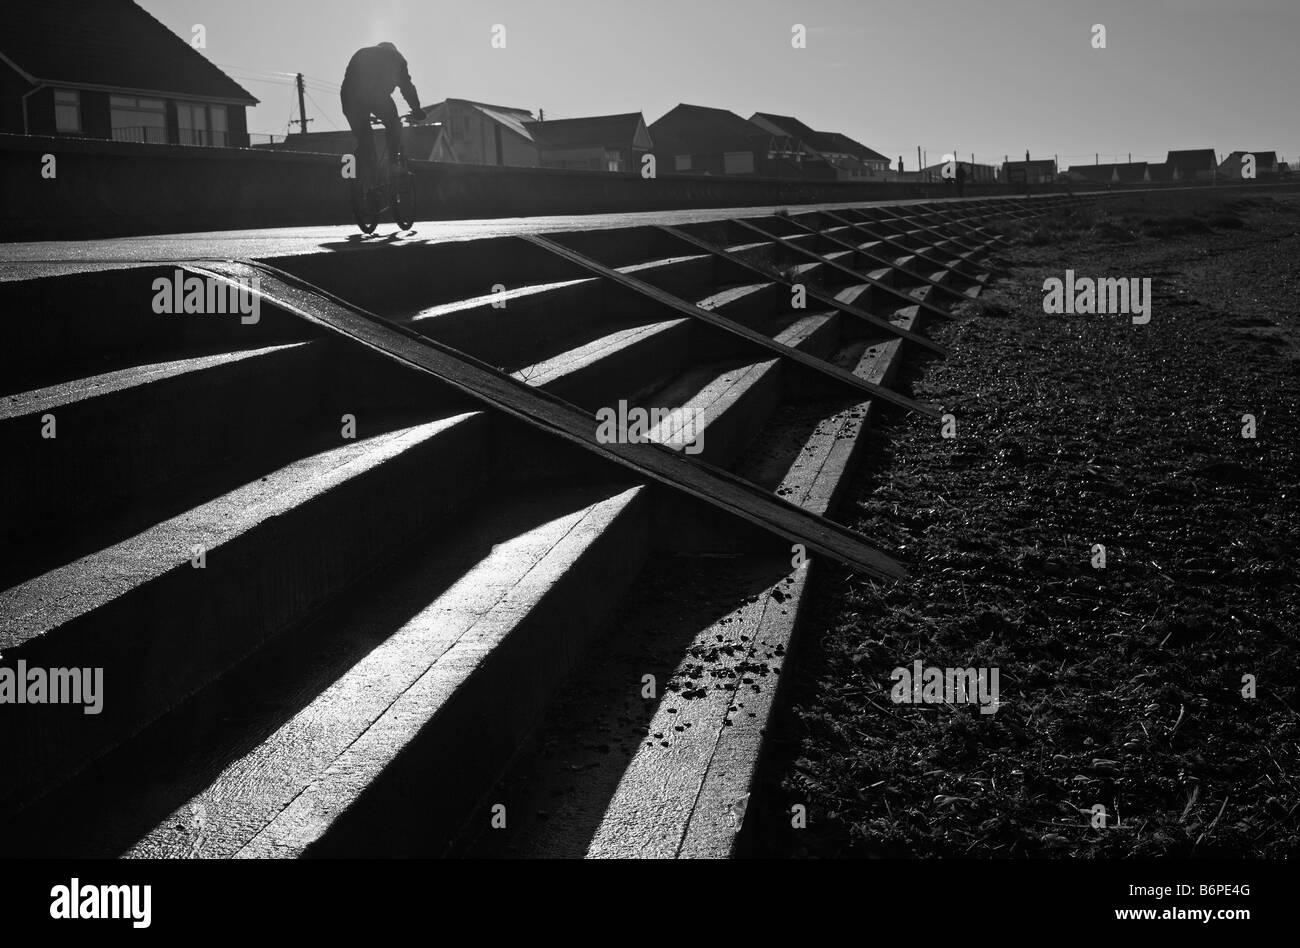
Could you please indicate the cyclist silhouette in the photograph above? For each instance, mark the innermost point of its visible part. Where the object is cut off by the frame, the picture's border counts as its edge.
(372, 74)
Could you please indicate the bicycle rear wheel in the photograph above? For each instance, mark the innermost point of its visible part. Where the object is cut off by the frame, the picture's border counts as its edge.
(361, 212)
(403, 197)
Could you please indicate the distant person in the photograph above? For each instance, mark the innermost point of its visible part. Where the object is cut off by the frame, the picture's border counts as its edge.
(961, 180)
(373, 73)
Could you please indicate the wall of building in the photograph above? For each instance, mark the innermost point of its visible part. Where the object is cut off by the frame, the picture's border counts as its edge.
(12, 88)
(711, 164)
(40, 112)
(585, 159)
(121, 188)
(237, 126)
(96, 115)
(470, 137)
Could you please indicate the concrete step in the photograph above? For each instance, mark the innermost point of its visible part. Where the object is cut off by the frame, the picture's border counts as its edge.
(619, 771)
(689, 277)
(74, 326)
(816, 333)
(507, 328)
(520, 326)
(272, 550)
(716, 409)
(376, 728)
(123, 439)
(616, 364)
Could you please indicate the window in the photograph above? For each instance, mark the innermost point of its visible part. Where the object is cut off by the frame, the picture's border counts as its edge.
(67, 110)
(199, 124)
(192, 124)
(217, 122)
(137, 120)
(682, 162)
(738, 162)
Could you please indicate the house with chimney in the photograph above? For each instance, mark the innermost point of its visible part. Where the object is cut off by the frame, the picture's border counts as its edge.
(848, 159)
(835, 145)
(696, 139)
(975, 173)
(109, 70)
(1035, 171)
(595, 143)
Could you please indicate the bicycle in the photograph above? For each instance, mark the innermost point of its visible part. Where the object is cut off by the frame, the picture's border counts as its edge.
(393, 188)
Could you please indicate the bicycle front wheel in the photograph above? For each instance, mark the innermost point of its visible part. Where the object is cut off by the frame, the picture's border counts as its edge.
(403, 198)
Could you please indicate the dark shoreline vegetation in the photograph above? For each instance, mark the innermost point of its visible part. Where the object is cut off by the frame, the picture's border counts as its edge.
(1121, 687)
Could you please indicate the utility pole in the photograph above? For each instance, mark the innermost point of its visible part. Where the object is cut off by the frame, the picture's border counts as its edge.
(919, 166)
(541, 115)
(302, 106)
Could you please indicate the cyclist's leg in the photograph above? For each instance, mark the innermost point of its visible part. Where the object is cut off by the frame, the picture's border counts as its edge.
(386, 112)
(358, 117)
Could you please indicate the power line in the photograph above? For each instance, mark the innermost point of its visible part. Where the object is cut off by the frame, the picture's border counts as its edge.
(322, 112)
(289, 121)
(242, 74)
(257, 79)
(262, 72)
(333, 86)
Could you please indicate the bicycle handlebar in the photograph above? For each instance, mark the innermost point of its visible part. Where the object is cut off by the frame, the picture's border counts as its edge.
(405, 119)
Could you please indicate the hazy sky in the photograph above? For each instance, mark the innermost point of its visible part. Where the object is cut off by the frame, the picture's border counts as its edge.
(986, 77)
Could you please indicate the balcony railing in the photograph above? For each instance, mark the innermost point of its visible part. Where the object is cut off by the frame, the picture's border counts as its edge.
(157, 134)
(202, 136)
(140, 133)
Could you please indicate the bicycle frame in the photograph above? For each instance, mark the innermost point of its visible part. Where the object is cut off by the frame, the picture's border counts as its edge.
(394, 182)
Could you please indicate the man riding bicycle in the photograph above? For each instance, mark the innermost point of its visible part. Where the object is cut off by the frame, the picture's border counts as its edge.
(372, 74)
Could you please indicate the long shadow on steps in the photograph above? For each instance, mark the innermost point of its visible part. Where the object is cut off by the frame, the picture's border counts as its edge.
(149, 797)
(67, 542)
(561, 786)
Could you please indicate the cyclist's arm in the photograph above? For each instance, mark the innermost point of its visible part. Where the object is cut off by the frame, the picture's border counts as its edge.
(408, 88)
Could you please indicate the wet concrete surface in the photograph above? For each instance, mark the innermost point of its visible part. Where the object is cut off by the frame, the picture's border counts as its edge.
(19, 261)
